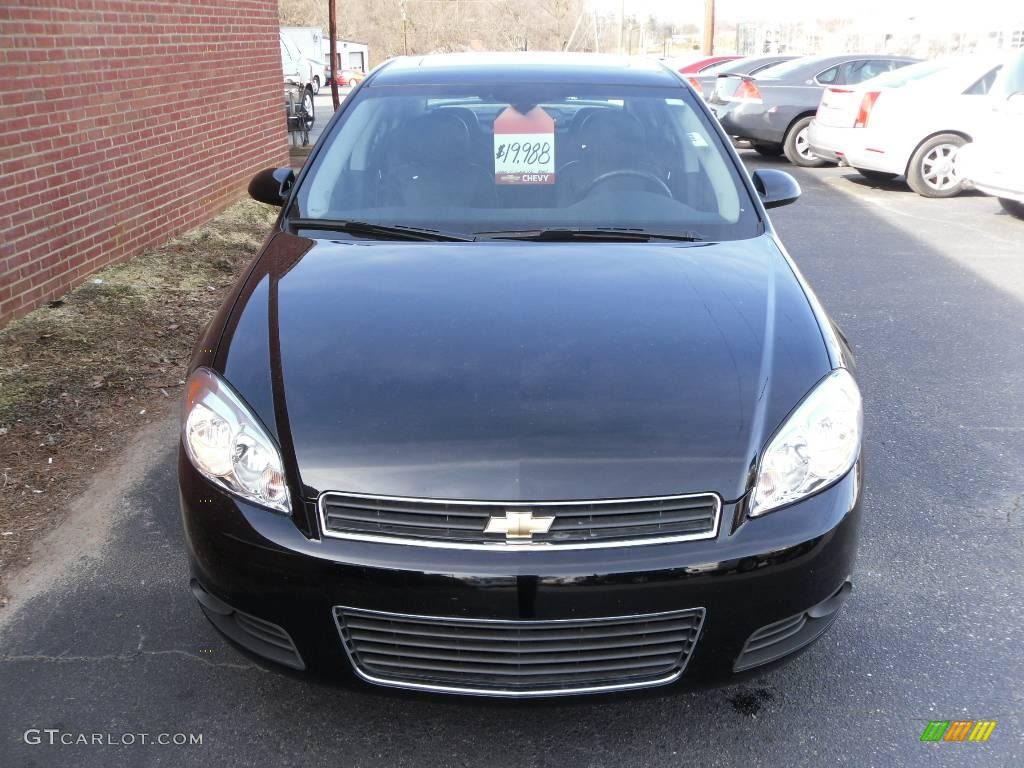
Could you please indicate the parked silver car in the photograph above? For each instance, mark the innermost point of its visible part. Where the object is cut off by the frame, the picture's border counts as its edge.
(773, 109)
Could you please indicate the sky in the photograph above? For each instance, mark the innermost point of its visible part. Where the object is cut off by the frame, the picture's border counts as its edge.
(941, 11)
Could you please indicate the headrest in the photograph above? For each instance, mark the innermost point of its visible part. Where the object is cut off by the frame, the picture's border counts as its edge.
(466, 115)
(432, 136)
(608, 131)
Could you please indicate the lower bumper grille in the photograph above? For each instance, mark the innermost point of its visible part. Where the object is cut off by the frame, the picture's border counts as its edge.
(518, 658)
(258, 635)
(781, 638)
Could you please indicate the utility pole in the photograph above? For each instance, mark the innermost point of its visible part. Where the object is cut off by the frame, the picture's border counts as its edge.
(405, 29)
(332, 30)
(709, 27)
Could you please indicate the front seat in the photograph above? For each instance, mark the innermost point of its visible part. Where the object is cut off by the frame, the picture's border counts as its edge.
(431, 166)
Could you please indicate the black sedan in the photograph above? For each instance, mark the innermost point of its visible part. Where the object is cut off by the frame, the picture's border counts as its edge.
(522, 397)
(774, 109)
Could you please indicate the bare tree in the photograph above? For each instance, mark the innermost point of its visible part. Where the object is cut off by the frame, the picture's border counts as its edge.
(302, 13)
(444, 25)
(560, 19)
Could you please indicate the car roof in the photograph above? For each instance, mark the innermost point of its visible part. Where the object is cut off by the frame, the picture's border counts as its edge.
(815, 64)
(524, 67)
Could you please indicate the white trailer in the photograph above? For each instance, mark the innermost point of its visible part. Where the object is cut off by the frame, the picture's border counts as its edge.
(309, 42)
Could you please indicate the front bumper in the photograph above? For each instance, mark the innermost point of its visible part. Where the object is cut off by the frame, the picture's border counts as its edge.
(751, 580)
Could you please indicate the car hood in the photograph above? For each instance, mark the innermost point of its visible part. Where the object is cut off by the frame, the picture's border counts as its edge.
(522, 371)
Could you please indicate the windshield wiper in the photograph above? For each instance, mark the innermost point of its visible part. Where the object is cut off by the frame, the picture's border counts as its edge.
(606, 234)
(382, 231)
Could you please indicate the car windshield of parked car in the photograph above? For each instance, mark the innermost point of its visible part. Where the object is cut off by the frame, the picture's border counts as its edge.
(723, 66)
(788, 67)
(1011, 79)
(499, 158)
(957, 74)
(898, 78)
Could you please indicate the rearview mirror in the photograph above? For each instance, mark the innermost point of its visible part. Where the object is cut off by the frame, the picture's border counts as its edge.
(272, 185)
(775, 187)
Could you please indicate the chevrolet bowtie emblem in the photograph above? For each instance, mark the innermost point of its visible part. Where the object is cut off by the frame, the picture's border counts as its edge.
(518, 526)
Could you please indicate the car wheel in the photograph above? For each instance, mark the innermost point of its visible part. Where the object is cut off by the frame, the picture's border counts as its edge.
(1012, 207)
(932, 170)
(316, 85)
(310, 109)
(768, 150)
(351, 83)
(876, 175)
(796, 146)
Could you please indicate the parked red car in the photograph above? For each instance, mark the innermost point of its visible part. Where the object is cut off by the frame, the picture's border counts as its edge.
(347, 78)
(699, 65)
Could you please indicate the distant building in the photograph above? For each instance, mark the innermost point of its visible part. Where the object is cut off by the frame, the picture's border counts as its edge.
(351, 55)
(910, 36)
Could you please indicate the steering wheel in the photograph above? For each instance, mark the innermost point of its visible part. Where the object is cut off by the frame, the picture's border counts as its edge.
(645, 175)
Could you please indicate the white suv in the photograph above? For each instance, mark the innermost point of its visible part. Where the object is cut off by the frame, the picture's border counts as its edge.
(298, 90)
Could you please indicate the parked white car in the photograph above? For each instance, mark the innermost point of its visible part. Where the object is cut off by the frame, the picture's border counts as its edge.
(308, 42)
(910, 122)
(298, 89)
(992, 163)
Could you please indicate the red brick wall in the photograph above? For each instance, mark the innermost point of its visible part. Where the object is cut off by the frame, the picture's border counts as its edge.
(123, 123)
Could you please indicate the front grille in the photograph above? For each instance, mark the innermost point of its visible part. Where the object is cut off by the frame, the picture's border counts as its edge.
(462, 524)
(518, 658)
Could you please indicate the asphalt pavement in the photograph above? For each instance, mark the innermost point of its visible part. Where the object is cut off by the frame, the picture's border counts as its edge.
(106, 639)
(323, 111)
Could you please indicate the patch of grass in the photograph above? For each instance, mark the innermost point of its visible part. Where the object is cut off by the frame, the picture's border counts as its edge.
(80, 374)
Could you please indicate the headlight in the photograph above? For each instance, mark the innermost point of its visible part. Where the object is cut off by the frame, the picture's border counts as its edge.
(817, 445)
(227, 444)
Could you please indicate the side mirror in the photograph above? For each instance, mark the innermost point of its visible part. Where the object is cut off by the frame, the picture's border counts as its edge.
(775, 187)
(272, 185)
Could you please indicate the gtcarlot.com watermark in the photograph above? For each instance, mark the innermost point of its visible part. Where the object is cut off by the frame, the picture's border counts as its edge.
(55, 736)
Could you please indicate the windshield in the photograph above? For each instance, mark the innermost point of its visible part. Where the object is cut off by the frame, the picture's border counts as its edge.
(957, 73)
(500, 158)
(783, 69)
(724, 66)
(897, 78)
(1011, 80)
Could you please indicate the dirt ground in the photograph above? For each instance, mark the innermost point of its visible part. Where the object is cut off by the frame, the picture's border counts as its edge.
(81, 375)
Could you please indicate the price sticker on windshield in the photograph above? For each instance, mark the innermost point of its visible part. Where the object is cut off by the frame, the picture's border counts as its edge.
(524, 147)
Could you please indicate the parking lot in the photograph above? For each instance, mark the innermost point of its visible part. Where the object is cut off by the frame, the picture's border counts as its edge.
(107, 637)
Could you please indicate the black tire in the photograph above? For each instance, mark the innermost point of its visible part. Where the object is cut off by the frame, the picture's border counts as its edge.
(1012, 207)
(932, 168)
(309, 107)
(876, 175)
(796, 147)
(316, 85)
(768, 150)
